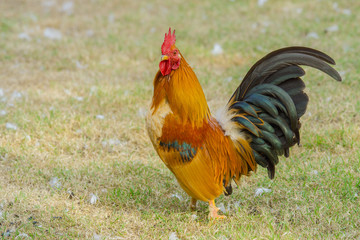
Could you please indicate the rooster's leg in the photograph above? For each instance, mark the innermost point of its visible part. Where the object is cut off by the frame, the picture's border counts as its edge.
(213, 214)
(193, 204)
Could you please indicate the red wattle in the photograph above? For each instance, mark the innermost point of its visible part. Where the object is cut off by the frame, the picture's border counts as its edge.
(165, 67)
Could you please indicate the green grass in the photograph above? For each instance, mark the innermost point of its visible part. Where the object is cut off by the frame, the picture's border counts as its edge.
(315, 194)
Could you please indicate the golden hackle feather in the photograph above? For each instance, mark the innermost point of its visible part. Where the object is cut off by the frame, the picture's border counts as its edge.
(184, 94)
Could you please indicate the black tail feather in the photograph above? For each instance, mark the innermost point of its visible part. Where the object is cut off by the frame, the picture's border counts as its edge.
(271, 96)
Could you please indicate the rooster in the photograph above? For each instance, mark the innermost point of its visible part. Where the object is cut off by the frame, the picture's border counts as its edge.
(259, 123)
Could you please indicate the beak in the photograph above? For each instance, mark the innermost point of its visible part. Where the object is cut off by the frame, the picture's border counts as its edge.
(164, 57)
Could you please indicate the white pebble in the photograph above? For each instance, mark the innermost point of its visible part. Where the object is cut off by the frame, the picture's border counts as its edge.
(90, 33)
(100, 116)
(93, 90)
(177, 196)
(11, 126)
(114, 141)
(55, 183)
(217, 50)
(16, 95)
(260, 48)
(333, 28)
(260, 191)
(97, 237)
(2, 113)
(126, 93)
(111, 18)
(254, 25)
(266, 23)
(261, 2)
(33, 17)
(93, 198)
(335, 6)
(173, 236)
(299, 10)
(228, 79)
(49, 3)
(315, 172)
(24, 36)
(346, 12)
(312, 35)
(194, 217)
(80, 99)
(52, 33)
(67, 7)
(222, 207)
(79, 65)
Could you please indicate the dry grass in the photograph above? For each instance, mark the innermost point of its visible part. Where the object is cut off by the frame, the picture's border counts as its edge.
(315, 194)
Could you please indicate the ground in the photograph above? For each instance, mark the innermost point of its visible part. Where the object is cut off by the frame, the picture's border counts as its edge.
(76, 82)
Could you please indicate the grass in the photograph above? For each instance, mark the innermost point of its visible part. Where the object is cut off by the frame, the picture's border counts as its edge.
(104, 64)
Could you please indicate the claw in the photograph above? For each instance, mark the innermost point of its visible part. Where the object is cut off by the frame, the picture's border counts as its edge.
(213, 214)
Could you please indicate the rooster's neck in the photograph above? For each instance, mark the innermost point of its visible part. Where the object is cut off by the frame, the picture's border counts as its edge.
(182, 91)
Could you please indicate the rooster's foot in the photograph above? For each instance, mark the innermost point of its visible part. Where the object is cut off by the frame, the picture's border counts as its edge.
(213, 214)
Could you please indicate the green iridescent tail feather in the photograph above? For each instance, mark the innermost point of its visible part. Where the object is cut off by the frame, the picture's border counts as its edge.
(270, 101)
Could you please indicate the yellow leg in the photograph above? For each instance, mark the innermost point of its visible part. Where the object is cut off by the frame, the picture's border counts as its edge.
(213, 214)
(193, 204)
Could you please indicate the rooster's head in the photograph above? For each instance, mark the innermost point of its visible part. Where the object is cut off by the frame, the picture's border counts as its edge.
(170, 59)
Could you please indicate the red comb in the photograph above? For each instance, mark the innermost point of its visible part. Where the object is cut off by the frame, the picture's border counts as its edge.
(169, 40)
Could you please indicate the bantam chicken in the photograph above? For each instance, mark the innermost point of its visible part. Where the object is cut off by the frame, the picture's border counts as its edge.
(259, 123)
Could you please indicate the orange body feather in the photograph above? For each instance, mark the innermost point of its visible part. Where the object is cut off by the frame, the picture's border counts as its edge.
(179, 113)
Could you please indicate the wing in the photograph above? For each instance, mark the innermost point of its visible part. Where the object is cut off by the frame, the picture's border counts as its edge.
(202, 158)
(180, 142)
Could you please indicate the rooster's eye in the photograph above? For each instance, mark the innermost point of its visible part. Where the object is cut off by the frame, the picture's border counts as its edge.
(175, 52)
